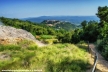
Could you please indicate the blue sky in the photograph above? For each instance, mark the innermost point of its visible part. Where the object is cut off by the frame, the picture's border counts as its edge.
(35, 8)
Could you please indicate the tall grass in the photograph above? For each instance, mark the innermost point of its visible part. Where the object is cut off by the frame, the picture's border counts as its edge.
(52, 58)
(61, 58)
(9, 47)
(48, 39)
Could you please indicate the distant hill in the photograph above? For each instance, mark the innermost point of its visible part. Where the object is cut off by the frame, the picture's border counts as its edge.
(59, 24)
(72, 19)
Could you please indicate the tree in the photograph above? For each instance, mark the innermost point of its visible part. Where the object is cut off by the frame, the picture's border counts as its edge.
(103, 25)
(103, 13)
(103, 31)
(75, 38)
(67, 37)
(84, 23)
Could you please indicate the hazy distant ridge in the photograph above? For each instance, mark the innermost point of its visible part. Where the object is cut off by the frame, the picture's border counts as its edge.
(72, 19)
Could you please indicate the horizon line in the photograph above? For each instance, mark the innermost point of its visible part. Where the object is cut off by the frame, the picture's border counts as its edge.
(48, 16)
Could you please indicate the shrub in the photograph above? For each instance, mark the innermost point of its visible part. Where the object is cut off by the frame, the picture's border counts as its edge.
(55, 41)
(105, 52)
(102, 46)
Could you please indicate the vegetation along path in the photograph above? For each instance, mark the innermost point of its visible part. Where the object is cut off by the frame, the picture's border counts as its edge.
(102, 64)
(40, 44)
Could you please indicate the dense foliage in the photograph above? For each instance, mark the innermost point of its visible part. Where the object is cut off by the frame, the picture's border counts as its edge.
(93, 31)
(103, 30)
(34, 28)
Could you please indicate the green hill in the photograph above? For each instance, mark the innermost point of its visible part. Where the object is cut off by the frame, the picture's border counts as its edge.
(59, 24)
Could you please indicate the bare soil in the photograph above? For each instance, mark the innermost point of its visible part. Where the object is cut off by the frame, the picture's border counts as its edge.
(102, 64)
(40, 44)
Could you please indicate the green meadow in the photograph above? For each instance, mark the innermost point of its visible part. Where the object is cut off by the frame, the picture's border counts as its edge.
(51, 58)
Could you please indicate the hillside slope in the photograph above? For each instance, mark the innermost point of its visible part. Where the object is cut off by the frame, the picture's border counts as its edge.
(10, 35)
(59, 24)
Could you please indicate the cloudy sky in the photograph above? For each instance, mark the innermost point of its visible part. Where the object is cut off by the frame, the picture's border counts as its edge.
(35, 8)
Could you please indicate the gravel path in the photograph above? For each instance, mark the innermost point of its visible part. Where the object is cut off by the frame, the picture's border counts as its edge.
(102, 64)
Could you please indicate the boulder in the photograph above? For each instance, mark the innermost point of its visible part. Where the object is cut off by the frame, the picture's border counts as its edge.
(10, 35)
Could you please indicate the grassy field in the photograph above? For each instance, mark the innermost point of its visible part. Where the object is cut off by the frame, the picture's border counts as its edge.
(48, 39)
(52, 58)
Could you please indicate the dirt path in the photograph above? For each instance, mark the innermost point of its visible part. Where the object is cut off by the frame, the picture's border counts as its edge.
(102, 64)
(40, 44)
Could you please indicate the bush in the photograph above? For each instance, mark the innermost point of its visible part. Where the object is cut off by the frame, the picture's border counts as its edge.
(81, 42)
(55, 41)
(102, 46)
(105, 53)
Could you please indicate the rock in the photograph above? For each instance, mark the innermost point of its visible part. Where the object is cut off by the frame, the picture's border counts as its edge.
(4, 56)
(12, 35)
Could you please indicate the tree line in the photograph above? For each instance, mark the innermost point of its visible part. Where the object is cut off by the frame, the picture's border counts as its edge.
(34, 28)
(92, 31)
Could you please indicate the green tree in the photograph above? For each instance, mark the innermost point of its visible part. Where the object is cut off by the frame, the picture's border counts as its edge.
(75, 38)
(84, 23)
(103, 30)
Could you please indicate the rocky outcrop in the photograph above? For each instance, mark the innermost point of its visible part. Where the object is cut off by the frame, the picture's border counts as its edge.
(10, 35)
(10, 40)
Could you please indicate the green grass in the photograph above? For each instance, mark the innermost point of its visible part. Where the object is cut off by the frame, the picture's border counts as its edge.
(9, 47)
(47, 37)
(52, 58)
(50, 41)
